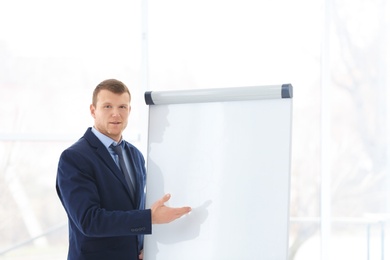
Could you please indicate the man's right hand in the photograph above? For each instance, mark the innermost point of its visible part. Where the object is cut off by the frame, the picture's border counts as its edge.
(162, 214)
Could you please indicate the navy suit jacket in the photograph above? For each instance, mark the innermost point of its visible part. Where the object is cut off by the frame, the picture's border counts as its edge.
(104, 222)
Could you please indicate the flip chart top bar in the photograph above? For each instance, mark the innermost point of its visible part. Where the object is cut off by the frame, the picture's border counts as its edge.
(218, 94)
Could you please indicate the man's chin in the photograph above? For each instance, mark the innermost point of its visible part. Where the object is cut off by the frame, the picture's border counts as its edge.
(115, 134)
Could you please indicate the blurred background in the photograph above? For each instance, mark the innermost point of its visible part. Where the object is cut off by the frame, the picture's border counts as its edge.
(335, 53)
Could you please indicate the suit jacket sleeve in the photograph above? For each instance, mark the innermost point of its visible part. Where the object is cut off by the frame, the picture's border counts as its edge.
(94, 197)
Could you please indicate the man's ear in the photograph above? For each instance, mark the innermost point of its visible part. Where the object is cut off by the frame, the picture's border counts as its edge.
(92, 109)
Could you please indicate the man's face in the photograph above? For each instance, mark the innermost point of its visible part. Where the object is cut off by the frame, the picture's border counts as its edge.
(111, 113)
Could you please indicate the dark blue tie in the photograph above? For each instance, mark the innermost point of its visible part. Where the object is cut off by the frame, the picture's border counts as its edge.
(129, 178)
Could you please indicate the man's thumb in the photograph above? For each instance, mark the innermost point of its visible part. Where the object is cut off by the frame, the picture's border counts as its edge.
(166, 198)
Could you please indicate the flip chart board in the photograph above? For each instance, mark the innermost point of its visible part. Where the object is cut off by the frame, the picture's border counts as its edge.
(226, 153)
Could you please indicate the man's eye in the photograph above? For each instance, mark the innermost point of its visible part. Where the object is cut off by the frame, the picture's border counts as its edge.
(107, 106)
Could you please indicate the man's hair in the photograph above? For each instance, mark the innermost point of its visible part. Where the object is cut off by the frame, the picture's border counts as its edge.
(113, 85)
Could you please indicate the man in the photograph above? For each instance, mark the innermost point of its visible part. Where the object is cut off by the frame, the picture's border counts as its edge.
(103, 195)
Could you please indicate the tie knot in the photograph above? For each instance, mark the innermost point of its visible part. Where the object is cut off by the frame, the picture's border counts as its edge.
(117, 149)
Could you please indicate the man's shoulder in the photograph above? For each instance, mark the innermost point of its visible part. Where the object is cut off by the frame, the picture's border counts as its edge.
(129, 145)
(87, 141)
(133, 148)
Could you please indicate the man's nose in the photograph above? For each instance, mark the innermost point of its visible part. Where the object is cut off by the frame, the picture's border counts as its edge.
(115, 112)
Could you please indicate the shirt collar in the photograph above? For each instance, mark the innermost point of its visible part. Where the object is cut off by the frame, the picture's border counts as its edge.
(107, 141)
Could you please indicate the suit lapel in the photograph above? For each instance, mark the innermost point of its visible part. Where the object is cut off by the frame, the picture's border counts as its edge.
(103, 153)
